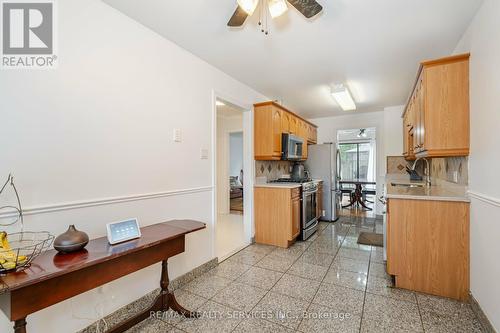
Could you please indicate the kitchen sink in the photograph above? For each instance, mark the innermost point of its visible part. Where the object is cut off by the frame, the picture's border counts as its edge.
(408, 184)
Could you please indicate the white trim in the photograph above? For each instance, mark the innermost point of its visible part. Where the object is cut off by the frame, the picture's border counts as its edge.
(108, 201)
(485, 198)
(248, 165)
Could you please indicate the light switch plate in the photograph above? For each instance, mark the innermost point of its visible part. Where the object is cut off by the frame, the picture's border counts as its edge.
(204, 153)
(177, 135)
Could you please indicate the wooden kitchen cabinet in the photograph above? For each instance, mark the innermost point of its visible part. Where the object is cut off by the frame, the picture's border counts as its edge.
(267, 132)
(296, 203)
(428, 246)
(270, 121)
(277, 215)
(285, 122)
(312, 136)
(303, 133)
(294, 125)
(436, 118)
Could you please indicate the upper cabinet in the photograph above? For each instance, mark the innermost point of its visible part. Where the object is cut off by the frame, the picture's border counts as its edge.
(436, 118)
(270, 121)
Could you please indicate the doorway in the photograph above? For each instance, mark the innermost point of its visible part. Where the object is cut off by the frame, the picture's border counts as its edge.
(231, 183)
(357, 149)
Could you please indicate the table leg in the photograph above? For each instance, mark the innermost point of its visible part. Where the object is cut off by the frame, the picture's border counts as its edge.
(165, 300)
(352, 201)
(359, 196)
(168, 298)
(20, 326)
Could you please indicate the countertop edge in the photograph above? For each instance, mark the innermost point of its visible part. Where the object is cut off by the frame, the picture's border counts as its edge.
(427, 198)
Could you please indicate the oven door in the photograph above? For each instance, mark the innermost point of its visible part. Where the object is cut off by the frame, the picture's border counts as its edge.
(309, 204)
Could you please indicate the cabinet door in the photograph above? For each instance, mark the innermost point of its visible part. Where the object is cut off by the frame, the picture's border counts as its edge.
(313, 134)
(276, 120)
(405, 134)
(295, 217)
(285, 122)
(294, 125)
(303, 133)
(418, 129)
(421, 115)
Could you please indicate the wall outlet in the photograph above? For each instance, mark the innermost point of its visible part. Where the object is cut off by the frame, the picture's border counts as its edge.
(177, 135)
(455, 176)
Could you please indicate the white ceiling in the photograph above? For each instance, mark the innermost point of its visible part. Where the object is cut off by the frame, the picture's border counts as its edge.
(373, 46)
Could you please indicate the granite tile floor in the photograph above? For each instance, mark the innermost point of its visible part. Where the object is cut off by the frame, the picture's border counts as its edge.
(327, 284)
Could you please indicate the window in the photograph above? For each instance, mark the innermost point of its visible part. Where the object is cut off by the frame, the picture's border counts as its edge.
(357, 160)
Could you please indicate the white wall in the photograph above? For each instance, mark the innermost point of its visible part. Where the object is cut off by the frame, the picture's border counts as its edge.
(393, 125)
(388, 124)
(235, 153)
(482, 39)
(100, 126)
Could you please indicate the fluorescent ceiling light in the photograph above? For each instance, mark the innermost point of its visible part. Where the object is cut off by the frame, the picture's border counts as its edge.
(248, 5)
(219, 103)
(277, 7)
(343, 97)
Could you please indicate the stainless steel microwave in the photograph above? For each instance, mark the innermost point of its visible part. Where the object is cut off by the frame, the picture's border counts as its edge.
(291, 147)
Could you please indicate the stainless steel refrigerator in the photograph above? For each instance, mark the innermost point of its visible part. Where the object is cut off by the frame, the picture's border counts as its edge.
(323, 162)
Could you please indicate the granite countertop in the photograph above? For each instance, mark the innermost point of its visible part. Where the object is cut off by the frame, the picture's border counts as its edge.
(439, 190)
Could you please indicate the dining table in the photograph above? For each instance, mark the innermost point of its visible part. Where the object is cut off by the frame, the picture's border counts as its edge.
(357, 198)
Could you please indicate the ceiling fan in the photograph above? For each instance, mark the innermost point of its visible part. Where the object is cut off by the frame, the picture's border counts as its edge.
(246, 8)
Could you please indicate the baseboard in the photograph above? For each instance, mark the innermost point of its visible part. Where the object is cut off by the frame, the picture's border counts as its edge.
(228, 255)
(144, 302)
(485, 322)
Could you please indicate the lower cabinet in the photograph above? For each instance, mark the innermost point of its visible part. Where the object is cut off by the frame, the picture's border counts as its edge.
(295, 216)
(277, 215)
(428, 246)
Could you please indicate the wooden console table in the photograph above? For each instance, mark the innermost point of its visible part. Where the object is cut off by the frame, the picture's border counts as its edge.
(54, 277)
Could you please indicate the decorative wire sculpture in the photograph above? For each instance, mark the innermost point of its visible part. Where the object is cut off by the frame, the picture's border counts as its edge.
(18, 209)
(17, 250)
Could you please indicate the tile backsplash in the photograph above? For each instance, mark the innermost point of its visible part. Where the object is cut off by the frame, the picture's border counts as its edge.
(272, 169)
(444, 168)
(441, 168)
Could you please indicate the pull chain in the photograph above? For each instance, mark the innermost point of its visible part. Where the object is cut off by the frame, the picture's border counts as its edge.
(263, 17)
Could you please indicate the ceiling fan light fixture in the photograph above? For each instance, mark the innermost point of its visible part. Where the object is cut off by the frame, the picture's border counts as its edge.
(277, 7)
(248, 5)
(343, 97)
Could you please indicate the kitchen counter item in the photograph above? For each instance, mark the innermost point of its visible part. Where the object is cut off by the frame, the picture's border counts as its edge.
(71, 241)
(298, 171)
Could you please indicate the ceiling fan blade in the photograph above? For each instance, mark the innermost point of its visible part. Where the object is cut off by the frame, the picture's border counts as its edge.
(308, 8)
(238, 18)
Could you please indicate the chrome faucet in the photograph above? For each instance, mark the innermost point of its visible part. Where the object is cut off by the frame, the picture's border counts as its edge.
(428, 173)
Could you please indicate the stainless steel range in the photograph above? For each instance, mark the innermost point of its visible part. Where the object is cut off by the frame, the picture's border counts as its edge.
(309, 207)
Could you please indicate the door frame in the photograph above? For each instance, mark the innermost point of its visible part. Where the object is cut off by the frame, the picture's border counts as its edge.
(248, 167)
